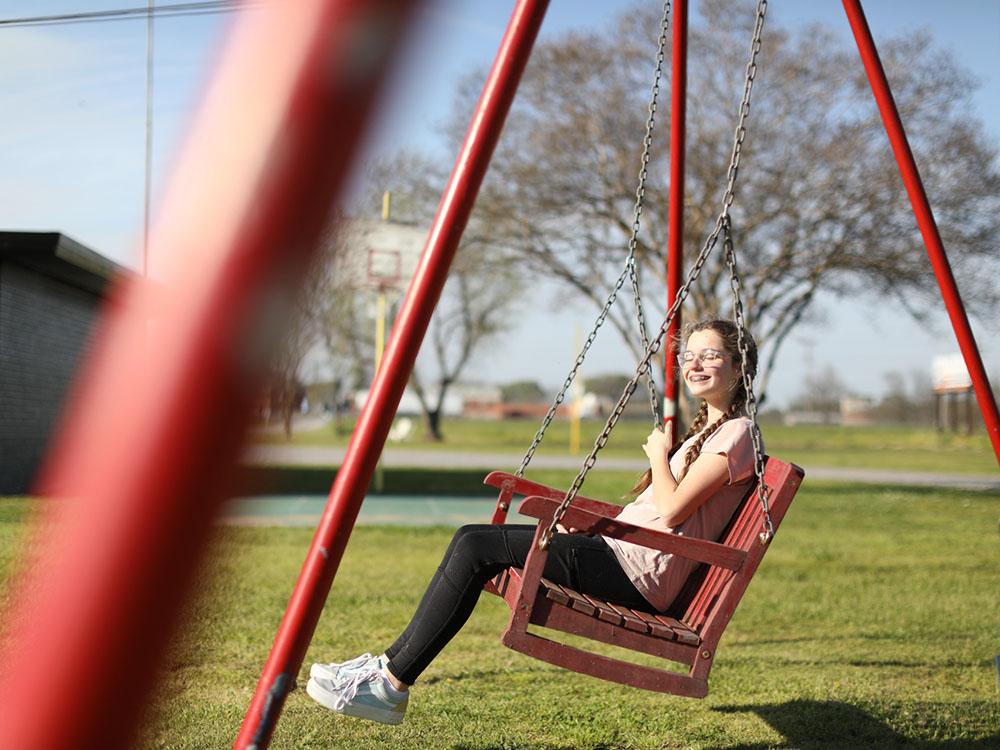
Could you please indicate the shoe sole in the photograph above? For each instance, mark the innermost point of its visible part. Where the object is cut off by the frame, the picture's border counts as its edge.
(327, 700)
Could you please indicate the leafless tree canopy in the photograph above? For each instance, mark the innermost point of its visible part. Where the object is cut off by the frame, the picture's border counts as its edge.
(820, 203)
(309, 324)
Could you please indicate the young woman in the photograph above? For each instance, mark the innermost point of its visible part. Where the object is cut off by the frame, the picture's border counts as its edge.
(691, 489)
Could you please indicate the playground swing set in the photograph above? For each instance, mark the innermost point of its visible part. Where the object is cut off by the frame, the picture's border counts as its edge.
(119, 548)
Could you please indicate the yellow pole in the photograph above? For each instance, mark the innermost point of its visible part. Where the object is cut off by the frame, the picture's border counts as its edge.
(577, 406)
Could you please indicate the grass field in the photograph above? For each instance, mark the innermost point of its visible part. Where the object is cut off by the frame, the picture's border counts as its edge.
(871, 623)
(872, 447)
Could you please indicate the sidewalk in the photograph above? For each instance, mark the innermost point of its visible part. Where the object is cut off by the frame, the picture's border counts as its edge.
(324, 456)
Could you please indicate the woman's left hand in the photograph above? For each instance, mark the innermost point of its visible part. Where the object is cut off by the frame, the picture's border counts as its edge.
(657, 444)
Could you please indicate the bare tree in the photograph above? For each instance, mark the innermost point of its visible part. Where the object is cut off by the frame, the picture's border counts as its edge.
(345, 330)
(285, 386)
(475, 304)
(820, 204)
(821, 394)
(474, 309)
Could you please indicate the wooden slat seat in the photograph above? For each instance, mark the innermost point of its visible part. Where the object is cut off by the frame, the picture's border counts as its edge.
(616, 614)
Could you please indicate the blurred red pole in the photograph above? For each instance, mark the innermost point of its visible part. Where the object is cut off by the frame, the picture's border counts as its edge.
(327, 549)
(925, 219)
(149, 445)
(675, 246)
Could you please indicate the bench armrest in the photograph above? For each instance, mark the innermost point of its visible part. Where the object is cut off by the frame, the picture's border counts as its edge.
(525, 487)
(590, 522)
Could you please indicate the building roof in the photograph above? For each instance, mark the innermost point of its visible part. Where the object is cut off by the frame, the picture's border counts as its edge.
(58, 256)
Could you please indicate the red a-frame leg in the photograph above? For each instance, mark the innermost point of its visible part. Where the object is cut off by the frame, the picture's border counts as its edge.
(925, 219)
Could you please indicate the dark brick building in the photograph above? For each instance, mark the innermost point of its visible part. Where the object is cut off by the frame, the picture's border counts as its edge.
(51, 288)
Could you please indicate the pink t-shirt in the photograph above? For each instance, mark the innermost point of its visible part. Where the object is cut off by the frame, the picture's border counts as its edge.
(659, 576)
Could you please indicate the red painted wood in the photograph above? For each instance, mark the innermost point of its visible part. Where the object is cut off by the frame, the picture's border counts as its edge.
(595, 665)
(594, 523)
(525, 487)
(784, 480)
(553, 616)
(503, 502)
(689, 643)
(682, 632)
(555, 592)
(604, 611)
(656, 628)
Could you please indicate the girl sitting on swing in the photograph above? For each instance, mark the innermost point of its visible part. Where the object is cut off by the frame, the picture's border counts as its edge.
(692, 488)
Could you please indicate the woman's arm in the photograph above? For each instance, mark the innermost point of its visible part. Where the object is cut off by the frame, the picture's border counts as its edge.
(675, 500)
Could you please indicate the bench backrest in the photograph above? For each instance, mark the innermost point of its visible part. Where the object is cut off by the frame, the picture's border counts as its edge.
(711, 594)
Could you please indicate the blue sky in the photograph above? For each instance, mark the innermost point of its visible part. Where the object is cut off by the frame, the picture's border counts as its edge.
(72, 139)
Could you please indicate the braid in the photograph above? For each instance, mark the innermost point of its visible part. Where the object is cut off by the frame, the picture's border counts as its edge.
(696, 424)
(695, 450)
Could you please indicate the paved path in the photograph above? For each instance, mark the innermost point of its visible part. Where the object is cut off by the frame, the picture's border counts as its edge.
(303, 455)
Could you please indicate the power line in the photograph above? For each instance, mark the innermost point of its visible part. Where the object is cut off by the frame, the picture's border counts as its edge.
(128, 14)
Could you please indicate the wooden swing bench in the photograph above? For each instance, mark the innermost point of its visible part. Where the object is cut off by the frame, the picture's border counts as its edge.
(688, 633)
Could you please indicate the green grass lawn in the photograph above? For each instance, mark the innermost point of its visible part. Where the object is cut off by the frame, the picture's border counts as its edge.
(871, 623)
(871, 447)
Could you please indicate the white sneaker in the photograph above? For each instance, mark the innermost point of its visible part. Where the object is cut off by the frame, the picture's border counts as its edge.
(364, 695)
(339, 671)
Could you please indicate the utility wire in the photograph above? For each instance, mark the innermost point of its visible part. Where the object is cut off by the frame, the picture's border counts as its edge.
(150, 5)
(129, 14)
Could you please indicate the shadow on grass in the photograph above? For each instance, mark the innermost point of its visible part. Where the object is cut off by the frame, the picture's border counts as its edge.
(812, 725)
(810, 639)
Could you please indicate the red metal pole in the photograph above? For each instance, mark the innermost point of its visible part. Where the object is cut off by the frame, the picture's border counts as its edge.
(354, 476)
(925, 220)
(675, 246)
(150, 443)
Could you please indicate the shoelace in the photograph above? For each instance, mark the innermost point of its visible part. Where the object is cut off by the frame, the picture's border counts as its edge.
(354, 663)
(347, 690)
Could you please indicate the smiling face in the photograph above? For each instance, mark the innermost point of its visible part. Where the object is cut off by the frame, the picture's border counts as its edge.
(708, 375)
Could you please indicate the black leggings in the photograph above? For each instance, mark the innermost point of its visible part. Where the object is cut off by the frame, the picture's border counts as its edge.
(476, 554)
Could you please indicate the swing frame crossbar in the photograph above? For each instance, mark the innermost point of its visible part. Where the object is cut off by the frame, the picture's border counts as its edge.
(133, 528)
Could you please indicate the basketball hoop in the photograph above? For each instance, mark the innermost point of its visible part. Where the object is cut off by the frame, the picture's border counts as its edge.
(385, 269)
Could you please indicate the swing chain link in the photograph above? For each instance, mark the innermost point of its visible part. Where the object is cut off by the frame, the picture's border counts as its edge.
(640, 194)
(628, 272)
(763, 491)
(721, 223)
(741, 130)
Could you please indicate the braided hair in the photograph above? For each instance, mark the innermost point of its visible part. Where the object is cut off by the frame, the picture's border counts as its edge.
(729, 333)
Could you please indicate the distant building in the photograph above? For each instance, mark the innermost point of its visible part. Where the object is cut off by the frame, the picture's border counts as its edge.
(50, 290)
(461, 400)
(856, 411)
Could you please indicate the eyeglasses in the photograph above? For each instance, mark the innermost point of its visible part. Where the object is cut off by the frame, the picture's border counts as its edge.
(711, 357)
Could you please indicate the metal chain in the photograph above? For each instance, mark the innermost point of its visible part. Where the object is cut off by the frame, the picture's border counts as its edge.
(628, 271)
(654, 401)
(763, 491)
(640, 194)
(682, 293)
